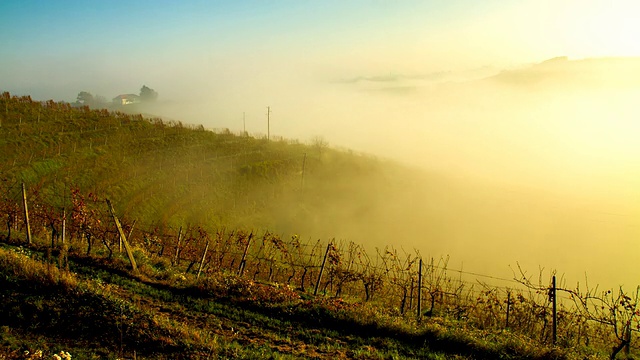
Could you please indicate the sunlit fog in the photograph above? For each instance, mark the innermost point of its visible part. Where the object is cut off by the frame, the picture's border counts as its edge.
(519, 118)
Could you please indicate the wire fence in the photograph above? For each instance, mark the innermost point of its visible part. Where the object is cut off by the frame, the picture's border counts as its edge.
(402, 282)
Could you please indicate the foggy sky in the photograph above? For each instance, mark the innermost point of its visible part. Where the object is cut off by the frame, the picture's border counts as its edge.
(241, 55)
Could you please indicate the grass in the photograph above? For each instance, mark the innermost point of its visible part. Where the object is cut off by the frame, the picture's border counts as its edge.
(98, 309)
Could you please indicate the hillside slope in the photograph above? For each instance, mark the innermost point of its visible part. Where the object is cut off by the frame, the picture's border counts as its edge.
(171, 175)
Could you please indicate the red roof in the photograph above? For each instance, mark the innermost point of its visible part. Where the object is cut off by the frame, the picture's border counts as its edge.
(126, 96)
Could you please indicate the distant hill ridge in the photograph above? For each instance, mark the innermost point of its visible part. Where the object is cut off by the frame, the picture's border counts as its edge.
(590, 72)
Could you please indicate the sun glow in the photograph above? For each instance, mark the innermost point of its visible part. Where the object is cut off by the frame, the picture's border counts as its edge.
(599, 28)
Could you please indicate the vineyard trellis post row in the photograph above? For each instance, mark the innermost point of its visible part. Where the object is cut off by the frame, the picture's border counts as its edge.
(26, 213)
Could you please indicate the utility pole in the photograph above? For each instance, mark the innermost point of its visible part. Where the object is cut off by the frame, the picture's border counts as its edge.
(268, 122)
(304, 161)
(244, 125)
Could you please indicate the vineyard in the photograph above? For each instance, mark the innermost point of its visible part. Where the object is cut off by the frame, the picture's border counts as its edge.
(44, 207)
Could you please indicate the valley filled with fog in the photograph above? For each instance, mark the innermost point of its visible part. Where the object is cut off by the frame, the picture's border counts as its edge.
(537, 165)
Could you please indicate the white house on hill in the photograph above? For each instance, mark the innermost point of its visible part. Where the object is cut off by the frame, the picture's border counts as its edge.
(126, 99)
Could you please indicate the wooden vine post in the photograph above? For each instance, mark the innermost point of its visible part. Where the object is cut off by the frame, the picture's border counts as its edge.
(177, 254)
(204, 256)
(243, 261)
(324, 261)
(26, 214)
(64, 224)
(506, 324)
(555, 310)
(411, 288)
(127, 248)
(419, 313)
